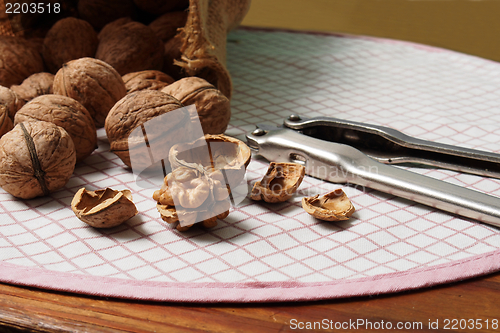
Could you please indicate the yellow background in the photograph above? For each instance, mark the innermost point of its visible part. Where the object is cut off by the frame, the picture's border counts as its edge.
(468, 26)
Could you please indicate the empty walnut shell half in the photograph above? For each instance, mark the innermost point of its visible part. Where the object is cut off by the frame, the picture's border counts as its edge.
(93, 83)
(36, 158)
(279, 183)
(103, 208)
(67, 113)
(224, 153)
(333, 206)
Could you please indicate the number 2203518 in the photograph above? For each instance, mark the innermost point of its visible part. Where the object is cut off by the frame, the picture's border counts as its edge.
(461, 324)
(32, 8)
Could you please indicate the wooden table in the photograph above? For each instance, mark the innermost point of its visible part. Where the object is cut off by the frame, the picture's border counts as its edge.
(34, 310)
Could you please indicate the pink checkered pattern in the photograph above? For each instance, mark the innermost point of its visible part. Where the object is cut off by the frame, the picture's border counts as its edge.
(276, 252)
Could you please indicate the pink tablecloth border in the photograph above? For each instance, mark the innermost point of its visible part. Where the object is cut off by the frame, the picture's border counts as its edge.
(247, 292)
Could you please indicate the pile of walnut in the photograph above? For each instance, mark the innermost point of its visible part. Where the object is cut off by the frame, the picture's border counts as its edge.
(105, 64)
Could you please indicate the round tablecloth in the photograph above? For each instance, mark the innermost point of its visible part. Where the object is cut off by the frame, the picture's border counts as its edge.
(277, 252)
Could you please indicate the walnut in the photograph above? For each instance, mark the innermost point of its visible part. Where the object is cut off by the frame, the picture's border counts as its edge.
(198, 188)
(101, 12)
(333, 206)
(166, 25)
(213, 107)
(10, 100)
(35, 85)
(5, 121)
(103, 208)
(93, 83)
(70, 38)
(66, 113)
(18, 60)
(131, 47)
(136, 109)
(189, 196)
(36, 159)
(150, 79)
(280, 182)
(156, 6)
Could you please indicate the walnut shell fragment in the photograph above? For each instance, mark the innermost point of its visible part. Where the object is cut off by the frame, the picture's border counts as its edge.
(93, 83)
(333, 206)
(279, 183)
(10, 100)
(70, 38)
(150, 79)
(18, 60)
(103, 208)
(131, 47)
(66, 113)
(35, 85)
(36, 159)
(214, 110)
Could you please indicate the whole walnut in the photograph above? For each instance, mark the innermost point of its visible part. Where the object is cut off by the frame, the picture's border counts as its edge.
(35, 85)
(100, 12)
(66, 113)
(93, 83)
(151, 79)
(213, 107)
(135, 110)
(70, 38)
(18, 60)
(156, 6)
(10, 100)
(36, 159)
(166, 25)
(5, 121)
(131, 47)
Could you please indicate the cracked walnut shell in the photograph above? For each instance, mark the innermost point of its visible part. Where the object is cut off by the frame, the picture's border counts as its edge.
(333, 206)
(279, 183)
(36, 159)
(93, 83)
(66, 113)
(103, 208)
